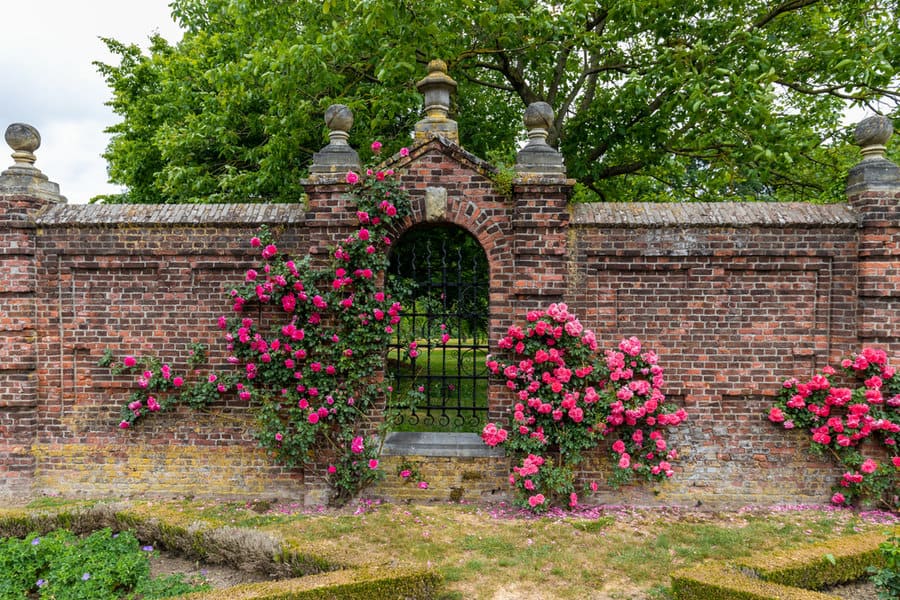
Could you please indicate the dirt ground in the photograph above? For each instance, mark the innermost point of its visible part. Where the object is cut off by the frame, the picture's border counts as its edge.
(218, 576)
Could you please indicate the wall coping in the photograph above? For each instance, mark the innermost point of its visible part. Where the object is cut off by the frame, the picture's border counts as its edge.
(714, 214)
(636, 214)
(169, 214)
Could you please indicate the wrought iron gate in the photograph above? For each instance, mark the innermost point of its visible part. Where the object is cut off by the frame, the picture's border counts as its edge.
(440, 276)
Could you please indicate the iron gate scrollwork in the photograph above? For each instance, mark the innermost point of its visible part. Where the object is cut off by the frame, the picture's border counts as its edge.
(440, 276)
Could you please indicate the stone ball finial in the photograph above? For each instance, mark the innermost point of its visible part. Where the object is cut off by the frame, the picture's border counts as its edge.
(338, 117)
(872, 134)
(538, 158)
(24, 140)
(539, 115)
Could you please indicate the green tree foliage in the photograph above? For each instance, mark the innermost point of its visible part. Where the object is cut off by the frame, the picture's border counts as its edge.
(655, 99)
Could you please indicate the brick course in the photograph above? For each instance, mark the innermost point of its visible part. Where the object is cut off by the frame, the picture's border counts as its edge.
(734, 297)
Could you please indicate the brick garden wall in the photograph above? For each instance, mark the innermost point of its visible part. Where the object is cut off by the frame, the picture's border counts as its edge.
(734, 297)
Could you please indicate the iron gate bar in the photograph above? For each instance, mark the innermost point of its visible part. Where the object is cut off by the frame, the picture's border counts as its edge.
(460, 303)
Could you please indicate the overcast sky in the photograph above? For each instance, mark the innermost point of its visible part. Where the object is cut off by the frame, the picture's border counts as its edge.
(47, 80)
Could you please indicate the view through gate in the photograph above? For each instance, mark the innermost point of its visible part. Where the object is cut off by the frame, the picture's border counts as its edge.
(440, 276)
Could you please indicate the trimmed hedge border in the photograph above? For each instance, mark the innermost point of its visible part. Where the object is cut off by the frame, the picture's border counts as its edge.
(350, 584)
(810, 566)
(788, 575)
(716, 581)
(312, 577)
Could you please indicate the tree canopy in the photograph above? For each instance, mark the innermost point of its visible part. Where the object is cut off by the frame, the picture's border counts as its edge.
(656, 100)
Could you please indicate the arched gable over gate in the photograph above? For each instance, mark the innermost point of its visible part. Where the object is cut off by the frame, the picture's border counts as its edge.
(523, 230)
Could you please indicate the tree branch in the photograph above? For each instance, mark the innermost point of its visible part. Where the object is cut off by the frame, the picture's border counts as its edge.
(812, 91)
(488, 84)
(784, 7)
(615, 171)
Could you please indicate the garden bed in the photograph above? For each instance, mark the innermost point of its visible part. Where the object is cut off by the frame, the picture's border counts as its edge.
(481, 551)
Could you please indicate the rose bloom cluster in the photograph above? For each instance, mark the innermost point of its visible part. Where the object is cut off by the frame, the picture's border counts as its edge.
(312, 369)
(845, 421)
(569, 398)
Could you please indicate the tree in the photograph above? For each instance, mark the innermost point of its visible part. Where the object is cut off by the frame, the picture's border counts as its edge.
(654, 99)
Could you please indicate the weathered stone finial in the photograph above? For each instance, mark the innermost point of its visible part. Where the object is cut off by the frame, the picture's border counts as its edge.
(24, 140)
(337, 157)
(872, 134)
(339, 120)
(538, 157)
(874, 171)
(23, 178)
(437, 87)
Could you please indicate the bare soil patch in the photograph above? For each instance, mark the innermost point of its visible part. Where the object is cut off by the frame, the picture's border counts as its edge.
(217, 576)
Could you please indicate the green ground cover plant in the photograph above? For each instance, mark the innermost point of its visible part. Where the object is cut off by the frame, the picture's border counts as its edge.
(103, 565)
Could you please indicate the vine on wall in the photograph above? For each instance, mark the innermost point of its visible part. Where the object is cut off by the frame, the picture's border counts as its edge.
(310, 369)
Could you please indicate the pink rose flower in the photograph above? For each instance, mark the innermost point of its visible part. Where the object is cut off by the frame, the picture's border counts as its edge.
(423, 485)
(376, 147)
(129, 361)
(536, 500)
(838, 498)
(373, 464)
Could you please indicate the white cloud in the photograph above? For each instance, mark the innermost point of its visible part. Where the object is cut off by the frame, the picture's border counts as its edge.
(47, 79)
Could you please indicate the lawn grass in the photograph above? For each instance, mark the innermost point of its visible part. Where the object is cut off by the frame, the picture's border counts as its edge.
(496, 552)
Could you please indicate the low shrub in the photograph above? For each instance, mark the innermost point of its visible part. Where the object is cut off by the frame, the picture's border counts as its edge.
(351, 584)
(887, 579)
(103, 565)
(788, 575)
(818, 566)
(716, 582)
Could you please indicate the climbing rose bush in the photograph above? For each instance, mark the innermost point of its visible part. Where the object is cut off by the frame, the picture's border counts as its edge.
(304, 344)
(858, 425)
(569, 398)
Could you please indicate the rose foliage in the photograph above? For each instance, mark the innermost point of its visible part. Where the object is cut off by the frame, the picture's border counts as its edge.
(569, 398)
(859, 426)
(305, 345)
